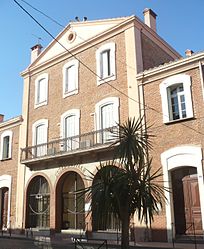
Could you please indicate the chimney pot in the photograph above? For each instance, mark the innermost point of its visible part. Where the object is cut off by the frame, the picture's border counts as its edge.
(150, 18)
(35, 51)
(188, 52)
(1, 118)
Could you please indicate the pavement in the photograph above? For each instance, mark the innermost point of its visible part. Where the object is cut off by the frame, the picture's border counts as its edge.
(22, 242)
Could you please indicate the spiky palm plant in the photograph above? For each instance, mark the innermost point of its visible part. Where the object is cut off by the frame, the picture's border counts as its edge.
(132, 187)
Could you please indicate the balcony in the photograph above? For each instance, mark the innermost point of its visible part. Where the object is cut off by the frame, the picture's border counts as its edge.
(85, 143)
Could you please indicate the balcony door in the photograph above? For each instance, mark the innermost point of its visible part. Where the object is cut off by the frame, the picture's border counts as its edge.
(107, 121)
(72, 140)
(41, 139)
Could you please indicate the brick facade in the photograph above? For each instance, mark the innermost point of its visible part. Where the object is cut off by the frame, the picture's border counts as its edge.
(174, 135)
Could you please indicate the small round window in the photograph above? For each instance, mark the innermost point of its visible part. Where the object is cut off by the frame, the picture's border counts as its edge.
(71, 36)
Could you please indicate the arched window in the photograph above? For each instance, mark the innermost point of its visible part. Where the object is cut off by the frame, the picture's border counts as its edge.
(70, 78)
(40, 137)
(41, 90)
(107, 116)
(176, 98)
(70, 129)
(38, 203)
(6, 145)
(105, 62)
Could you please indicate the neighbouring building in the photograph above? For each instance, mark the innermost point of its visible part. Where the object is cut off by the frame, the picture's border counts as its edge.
(9, 155)
(174, 108)
(81, 84)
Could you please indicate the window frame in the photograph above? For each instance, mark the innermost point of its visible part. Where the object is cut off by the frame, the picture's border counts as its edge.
(165, 96)
(34, 127)
(112, 62)
(70, 144)
(3, 135)
(38, 79)
(72, 112)
(101, 104)
(69, 64)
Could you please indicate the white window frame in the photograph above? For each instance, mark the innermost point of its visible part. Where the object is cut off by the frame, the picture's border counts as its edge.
(108, 46)
(3, 135)
(40, 77)
(100, 104)
(35, 125)
(72, 112)
(74, 63)
(165, 85)
(75, 112)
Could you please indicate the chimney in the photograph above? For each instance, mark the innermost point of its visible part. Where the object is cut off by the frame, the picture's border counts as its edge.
(188, 52)
(1, 118)
(35, 51)
(150, 18)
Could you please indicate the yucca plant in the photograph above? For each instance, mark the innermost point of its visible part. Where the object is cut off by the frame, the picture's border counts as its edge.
(130, 188)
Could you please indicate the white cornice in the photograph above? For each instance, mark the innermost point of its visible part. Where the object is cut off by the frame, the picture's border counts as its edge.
(170, 68)
(11, 123)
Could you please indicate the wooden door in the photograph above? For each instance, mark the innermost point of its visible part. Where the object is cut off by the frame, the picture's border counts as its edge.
(4, 208)
(192, 205)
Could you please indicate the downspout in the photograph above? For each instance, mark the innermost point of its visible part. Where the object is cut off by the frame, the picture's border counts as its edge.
(201, 77)
(27, 122)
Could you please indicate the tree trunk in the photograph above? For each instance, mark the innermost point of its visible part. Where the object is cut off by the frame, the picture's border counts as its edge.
(125, 228)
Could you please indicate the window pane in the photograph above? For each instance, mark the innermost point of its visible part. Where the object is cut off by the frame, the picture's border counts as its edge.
(6, 147)
(70, 84)
(41, 93)
(72, 142)
(177, 104)
(107, 121)
(41, 138)
(105, 64)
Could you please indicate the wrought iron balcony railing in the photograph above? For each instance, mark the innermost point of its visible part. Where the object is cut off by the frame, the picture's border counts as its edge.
(70, 145)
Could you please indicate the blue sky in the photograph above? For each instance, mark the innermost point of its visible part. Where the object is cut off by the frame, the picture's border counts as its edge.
(179, 22)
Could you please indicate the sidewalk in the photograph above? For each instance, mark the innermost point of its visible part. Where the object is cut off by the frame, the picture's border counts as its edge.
(68, 242)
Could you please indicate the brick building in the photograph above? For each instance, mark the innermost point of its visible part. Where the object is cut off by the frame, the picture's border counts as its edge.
(9, 156)
(174, 95)
(74, 90)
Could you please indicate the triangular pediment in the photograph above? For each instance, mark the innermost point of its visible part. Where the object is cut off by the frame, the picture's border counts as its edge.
(76, 34)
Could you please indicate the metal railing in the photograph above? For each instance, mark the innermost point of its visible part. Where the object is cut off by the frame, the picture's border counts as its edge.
(69, 145)
(189, 233)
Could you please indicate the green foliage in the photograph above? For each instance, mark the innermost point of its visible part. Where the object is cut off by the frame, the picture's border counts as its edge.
(130, 188)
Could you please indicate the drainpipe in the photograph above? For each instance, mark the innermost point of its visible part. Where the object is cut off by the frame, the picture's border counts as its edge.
(201, 77)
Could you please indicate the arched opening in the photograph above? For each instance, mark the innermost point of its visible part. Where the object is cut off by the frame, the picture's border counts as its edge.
(186, 201)
(71, 204)
(112, 223)
(38, 203)
(4, 192)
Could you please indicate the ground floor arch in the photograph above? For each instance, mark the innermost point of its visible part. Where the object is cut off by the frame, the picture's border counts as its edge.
(5, 201)
(186, 201)
(183, 174)
(38, 203)
(112, 223)
(70, 205)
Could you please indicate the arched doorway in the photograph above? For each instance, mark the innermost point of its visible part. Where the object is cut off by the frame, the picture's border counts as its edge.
(72, 206)
(111, 223)
(4, 192)
(186, 201)
(38, 203)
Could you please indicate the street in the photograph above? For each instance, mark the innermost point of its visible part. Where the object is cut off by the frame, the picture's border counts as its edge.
(29, 244)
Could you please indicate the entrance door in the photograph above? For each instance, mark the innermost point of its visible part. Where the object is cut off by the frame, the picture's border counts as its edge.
(187, 212)
(192, 204)
(4, 207)
(73, 213)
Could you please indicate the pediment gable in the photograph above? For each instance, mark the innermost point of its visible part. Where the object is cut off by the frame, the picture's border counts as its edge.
(74, 35)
